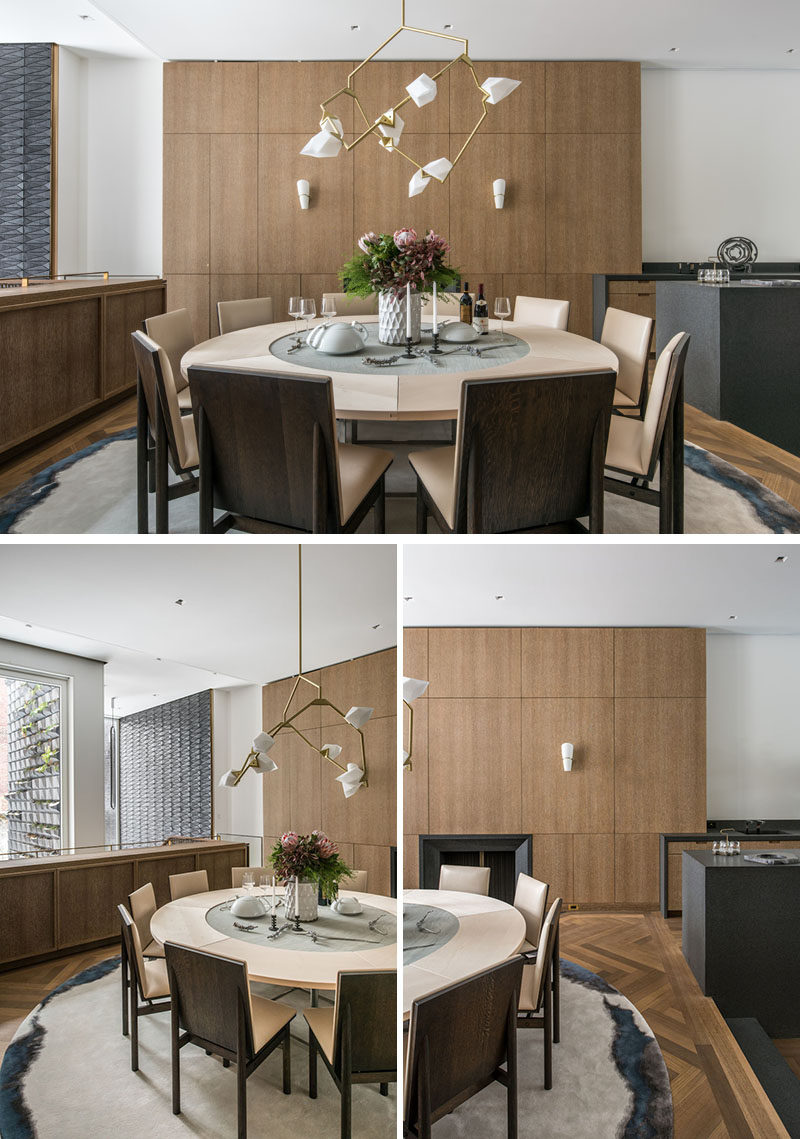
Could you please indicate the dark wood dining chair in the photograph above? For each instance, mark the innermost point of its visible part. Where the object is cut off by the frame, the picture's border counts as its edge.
(356, 1038)
(528, 455)
(164, 436)
(459, 1039)
(270, 458)
(540, 994)
(212, 1007)
(636, 447)
(145, 989)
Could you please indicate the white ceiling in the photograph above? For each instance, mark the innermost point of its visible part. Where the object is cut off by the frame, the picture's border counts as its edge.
(237, 624)
(712, 33)
(584, 584)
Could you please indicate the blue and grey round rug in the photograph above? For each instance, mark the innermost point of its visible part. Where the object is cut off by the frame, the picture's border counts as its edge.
(94, 492)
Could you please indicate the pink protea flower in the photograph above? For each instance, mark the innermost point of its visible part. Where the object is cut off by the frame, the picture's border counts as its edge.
(366, 240)
(403, 237)
(289, 840)
(326, 847)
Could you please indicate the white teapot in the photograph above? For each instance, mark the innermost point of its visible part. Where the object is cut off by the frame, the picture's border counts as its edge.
(338, 339)
(347, 906)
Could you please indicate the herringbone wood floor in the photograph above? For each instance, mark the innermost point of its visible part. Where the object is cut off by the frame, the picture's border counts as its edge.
(777, 469)
(715, 1093)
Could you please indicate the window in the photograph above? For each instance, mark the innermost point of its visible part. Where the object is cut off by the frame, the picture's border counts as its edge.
(32, 735)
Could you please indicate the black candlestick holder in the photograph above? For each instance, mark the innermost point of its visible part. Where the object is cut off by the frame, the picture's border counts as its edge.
(297, 928)
(408, 354)
(273, 924)
(435, 349)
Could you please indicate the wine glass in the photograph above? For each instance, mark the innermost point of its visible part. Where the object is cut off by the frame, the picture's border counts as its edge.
(502, 309)
(309, 311)
(248, 880)
(328, 306)
(295, 310)
(264, 882)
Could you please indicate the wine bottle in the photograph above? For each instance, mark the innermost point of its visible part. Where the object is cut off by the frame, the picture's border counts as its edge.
(482, 313)
(465, 305)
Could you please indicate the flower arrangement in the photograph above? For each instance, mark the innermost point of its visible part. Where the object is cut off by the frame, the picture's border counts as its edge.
(390, 261)
(313, 856)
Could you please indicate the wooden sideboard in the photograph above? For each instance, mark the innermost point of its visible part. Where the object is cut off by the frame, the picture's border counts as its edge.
(65, 351)
(52, 906)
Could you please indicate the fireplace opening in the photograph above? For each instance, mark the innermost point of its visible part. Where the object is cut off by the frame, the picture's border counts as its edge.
(507, 855)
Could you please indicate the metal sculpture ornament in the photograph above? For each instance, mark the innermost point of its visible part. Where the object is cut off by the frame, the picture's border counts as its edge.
(388, 127)
(737, 252)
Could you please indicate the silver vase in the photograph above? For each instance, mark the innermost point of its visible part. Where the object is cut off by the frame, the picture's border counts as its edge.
(307, 900)
(392, 318)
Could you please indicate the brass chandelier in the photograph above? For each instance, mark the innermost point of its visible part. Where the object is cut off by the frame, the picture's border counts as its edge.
(354, 775)
(388, 127)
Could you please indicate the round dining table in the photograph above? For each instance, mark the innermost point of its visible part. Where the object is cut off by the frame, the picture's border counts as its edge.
(449, 935)
(293, 960)
(405, 389)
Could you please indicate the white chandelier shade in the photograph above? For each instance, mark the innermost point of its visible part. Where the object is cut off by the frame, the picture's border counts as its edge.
(331, 751)
(423, 90)
(496, 88)
(351, 780)
(357, 717)
(413, 689)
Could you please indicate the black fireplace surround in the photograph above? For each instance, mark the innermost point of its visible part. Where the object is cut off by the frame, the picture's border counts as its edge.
(508, 855)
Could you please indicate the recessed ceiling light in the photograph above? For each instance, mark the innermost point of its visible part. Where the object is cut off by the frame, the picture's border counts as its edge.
(733, 617)
(782, 558)
(408, 599)
(29, 626)
(790, 51)
(85, 16)
(355, 27)
(448, 27)
(499, 596)
(674, 49)
(378, 626)
(179, 601)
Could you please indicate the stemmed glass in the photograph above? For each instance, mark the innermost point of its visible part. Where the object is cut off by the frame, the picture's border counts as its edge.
(328, 306)
(296, 310)
(248, 880)
(502, 309)
(309, 311)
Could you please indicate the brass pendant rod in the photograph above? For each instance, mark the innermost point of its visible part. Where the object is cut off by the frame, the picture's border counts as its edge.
(300, 608)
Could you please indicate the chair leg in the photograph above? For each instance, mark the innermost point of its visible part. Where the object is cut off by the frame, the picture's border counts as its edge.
(241, 1096)
(379, 509)
(123, 966)
(422, 510)
(512, 1092)
(142, 460)
(134, 1024)
(347, 1108)
(287, 1063)
(162, 479)
(678, 462)
(548, 1037)
(312, 1067)
(384, 1088)
(176, 1060)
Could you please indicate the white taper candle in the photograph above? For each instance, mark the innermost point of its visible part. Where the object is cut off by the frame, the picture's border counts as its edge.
(408, 311)
(435, 324)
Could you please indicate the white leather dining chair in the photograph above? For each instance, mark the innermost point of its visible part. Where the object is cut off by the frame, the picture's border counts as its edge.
(465, 879)
(542, 311)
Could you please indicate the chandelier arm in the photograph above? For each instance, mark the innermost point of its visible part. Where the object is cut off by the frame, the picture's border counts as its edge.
(378, 49)
(364, 781)
(470, 137)
(402, 153)
(428, 32)
(291, 697)
(248, 763)
(410, 733)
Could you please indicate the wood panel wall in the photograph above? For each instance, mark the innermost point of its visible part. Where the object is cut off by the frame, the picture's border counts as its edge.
(303, 793)
(487, 749)
(567, 142)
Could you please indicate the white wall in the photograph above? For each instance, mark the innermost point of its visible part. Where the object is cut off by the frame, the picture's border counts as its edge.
(719, 158)
(110, 165)
(87, 795)
(237, 718)
(753, 727)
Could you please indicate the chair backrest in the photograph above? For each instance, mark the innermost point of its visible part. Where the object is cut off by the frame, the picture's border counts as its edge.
(667, 383)
(366, 1006)
(142, 903)
(465, 879)
(534, 976)
(357, 882)
(162, 399)
(193, 882)
(173, 332)
(542, 311)
(530, 898)
(353, 306)
(530, 450)
(232, 315)
(458, 1038)
(237, 872)
(209, 993)
(268, 445)
(133, 948)
(628, 336)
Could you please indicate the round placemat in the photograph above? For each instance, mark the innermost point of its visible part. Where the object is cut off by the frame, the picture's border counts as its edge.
(332, 932)
(438, 927)
(454, 357)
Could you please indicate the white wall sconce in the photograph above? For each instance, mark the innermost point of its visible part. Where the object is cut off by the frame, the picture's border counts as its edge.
(303, 193)
(499, 191)
(567, 752)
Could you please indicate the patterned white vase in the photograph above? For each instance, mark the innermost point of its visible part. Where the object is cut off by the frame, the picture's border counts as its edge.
(392, 318)
(307, 896)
